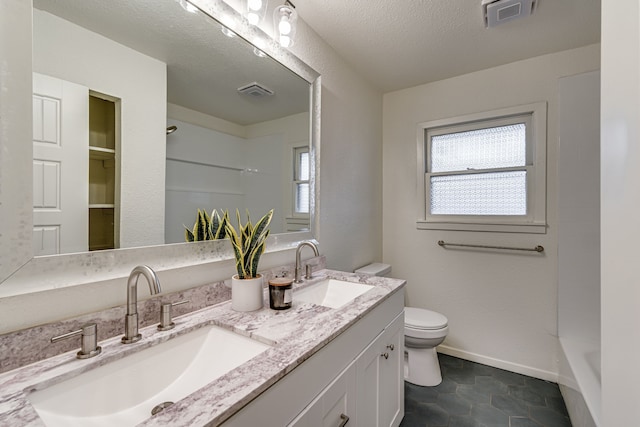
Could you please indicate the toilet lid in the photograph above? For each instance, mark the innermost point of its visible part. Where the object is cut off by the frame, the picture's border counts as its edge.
(420, 318)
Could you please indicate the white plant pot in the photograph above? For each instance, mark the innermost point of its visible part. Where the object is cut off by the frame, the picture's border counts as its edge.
(246, 294)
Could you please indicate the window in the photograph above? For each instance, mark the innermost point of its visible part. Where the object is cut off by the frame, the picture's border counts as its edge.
(484, 172)
(301, 190)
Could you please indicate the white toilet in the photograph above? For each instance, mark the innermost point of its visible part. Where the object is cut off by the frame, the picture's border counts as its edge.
(424, 330)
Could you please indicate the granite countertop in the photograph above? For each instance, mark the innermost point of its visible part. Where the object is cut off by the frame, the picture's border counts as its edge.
(294, 335)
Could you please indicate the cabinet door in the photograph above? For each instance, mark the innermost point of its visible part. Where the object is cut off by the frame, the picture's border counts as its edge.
(335, 406)
(391, 375)
(379, 378)
(367, 366)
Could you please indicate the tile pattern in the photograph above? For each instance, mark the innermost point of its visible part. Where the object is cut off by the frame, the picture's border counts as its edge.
(475, 395)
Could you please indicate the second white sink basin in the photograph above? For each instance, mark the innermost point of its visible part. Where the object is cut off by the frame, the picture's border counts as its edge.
(331, 293)
(124, 392)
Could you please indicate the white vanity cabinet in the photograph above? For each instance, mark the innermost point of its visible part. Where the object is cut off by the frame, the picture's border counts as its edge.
(348, 377)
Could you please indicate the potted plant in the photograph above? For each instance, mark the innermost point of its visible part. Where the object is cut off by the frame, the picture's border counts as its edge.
(248, 246)
(207, 227)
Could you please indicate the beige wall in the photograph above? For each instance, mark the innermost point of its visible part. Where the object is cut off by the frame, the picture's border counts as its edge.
(502, 307)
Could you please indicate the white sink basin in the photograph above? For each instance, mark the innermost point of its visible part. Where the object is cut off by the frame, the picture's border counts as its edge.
(331, 293)
(124, 392)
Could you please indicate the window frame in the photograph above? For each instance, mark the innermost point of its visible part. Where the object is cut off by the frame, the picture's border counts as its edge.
(535, 117)
(296, 151)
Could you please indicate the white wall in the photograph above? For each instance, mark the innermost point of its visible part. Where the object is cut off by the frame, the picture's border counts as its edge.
(69, 52)
(263, 185)
(579, 246)
(350, 205)
(264, 148)
(502, 307)
(190, 186)
(579, 208)
(293, 131)
(620, 203)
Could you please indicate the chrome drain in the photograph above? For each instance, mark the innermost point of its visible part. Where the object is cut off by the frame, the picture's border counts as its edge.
(161, 407)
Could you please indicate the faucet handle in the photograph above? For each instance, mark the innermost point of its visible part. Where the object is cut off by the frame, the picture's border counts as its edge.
(89, 347)
(165, 315)
(309, 271)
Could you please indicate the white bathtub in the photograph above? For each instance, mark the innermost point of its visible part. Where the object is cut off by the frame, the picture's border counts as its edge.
(580, 383)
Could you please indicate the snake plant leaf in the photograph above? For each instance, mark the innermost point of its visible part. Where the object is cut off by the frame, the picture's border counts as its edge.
(207, 224)
(223, 226)
(249, 243)
(259, 234)
(218, 225)
(200, 231)
(237, 249)
(207, 227)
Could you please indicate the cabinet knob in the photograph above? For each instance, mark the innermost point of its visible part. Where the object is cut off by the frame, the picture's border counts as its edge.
(385, 355)
(390, 347)
(345, 420)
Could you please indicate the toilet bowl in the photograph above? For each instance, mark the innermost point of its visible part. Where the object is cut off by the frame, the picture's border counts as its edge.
(424, 330)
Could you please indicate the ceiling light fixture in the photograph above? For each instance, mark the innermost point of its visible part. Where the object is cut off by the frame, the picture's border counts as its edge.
(285, 19)
(255, 10)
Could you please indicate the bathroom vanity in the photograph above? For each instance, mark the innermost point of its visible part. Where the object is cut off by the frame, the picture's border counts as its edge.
(337, 365)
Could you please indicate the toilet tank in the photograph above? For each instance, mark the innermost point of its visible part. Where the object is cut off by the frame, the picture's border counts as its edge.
(376, 269)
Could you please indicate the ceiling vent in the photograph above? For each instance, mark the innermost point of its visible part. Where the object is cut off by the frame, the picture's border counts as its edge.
(498, 11)
(256, 90)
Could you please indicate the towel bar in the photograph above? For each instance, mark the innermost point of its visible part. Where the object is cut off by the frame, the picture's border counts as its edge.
(538, 248)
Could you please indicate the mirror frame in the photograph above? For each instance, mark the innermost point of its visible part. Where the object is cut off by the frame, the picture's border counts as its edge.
(36, 274)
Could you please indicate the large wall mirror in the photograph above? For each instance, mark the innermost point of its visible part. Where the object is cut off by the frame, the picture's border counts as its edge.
(146, 111)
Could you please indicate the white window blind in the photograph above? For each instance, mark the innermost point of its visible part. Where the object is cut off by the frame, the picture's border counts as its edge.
(459, 192)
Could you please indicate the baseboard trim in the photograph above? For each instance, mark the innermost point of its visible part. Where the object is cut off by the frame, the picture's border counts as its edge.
(498, 363)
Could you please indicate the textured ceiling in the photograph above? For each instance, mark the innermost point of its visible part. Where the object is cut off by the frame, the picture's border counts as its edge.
(396, 44)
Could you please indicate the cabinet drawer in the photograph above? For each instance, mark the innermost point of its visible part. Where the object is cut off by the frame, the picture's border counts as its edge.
(335, 406)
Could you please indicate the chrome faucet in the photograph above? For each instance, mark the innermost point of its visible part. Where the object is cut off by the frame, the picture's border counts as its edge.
(298, 250)
(131, 334)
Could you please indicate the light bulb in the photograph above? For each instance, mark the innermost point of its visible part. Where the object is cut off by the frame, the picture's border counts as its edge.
(285, 41)
(254, 4)
(253, 18)
(284, 23)
(284, 26)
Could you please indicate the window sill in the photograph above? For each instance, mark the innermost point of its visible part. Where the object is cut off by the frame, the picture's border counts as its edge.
(529, 228)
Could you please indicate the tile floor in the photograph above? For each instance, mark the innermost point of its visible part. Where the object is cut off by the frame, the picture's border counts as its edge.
(475, 395)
